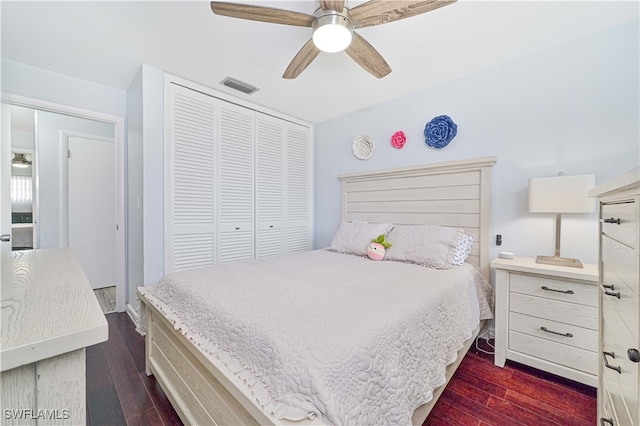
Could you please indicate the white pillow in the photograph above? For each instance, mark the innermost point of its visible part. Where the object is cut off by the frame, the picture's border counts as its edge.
(429, 245)
(354, 237)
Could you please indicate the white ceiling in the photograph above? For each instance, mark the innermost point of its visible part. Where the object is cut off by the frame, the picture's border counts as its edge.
(106, 42)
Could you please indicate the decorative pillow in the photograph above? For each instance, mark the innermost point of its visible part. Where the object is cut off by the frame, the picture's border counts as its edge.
(463, 250)
(355, 237)
(429, 245)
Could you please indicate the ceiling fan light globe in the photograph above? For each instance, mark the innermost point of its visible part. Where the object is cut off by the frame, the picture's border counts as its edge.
(332, 38)
(332, 32)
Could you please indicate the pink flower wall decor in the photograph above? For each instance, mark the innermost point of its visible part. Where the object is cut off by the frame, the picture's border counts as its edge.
(398, 139)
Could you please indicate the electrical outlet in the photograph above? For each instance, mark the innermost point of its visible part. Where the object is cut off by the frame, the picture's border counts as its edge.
(498, 240)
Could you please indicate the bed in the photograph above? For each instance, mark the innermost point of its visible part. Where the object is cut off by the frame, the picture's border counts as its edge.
(289, 359)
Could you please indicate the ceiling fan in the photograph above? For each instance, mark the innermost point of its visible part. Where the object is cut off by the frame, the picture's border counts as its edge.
(333, 27)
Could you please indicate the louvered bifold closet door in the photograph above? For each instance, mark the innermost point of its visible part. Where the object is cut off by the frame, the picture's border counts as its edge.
(270, 184)
(236, 204)
(298, 189)
(191, 206)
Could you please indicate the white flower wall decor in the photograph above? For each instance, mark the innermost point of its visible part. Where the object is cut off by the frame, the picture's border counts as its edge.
(363, 147)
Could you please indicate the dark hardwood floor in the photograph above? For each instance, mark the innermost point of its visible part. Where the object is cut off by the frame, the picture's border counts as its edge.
(118, 390)
(120, 393)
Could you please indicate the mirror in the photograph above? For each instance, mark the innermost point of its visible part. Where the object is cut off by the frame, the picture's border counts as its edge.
(23, 197)
(72, 192)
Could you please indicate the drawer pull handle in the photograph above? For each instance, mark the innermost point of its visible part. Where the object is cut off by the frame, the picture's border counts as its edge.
(237, 228)
(555, 332)
(606, 288)
(603, 421)
(606, 362)
(544, 287)
(612, 220)
(633, 354)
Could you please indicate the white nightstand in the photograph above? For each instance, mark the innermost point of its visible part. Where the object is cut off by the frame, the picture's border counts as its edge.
(547, 317)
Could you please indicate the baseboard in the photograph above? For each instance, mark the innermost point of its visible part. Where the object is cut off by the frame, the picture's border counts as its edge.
(133, 314)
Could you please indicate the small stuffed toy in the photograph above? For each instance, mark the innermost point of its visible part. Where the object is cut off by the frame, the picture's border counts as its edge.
(376, 249)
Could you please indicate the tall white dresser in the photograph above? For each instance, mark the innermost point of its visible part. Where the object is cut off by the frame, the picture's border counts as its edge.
(619, 301)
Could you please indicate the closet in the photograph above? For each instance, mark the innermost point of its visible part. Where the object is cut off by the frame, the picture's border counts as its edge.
(237, 182)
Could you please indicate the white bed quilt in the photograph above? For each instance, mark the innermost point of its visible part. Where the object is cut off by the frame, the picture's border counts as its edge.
(340, 337)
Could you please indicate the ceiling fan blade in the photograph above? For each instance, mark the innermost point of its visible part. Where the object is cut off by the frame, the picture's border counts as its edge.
(336, 5)
(376, 12)
(367, 57)
(263, 14)
(302, 60)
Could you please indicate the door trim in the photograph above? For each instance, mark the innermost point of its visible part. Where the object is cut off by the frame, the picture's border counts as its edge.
(120, 202)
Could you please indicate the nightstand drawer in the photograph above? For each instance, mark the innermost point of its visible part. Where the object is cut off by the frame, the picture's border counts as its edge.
(558, 353)
(627, 231)
(567, 334)
(566, 291)
(555, 310)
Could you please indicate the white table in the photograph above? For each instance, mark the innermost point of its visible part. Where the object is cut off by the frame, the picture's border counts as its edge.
(49, 316)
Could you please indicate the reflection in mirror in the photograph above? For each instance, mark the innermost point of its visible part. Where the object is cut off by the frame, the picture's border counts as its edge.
(63, 185)
(23, 200)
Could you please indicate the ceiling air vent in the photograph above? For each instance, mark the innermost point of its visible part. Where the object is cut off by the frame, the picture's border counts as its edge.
(239, 85)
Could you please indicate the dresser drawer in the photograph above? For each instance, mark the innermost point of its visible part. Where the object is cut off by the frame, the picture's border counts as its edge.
(621, 260)
(571, 335)
(613, 406)
(566, 291)
(555, 310)
(627, 304)
(616, 339)
(558, 353)
(627, 231)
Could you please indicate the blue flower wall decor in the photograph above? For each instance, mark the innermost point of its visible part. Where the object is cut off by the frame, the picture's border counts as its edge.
(440, 131)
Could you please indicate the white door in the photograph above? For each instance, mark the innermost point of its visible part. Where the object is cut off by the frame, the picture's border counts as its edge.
(270, 185)
(298, 201)
(92, 210)
(5, 180)
(190, 189)
(235, 153)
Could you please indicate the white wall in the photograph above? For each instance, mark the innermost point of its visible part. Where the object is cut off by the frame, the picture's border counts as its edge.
(50, 163)
(574, 108)
(37, 83)
(145, 177)
(22, 139)
(153, 173)
(135, 276)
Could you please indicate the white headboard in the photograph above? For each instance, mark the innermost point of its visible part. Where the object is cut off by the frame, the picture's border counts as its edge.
(453, 193)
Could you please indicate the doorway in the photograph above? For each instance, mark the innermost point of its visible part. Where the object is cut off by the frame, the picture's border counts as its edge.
(90, 217)
(80, 204)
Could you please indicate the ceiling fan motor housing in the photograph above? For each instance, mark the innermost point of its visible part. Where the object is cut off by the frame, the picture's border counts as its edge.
(332, 31)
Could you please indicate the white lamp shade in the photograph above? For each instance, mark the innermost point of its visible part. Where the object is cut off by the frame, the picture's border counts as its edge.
(561, 194)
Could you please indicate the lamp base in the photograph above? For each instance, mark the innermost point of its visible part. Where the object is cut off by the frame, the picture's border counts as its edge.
(559, 261)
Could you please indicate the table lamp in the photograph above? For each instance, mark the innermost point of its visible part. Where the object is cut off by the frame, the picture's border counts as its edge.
(561, 194)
